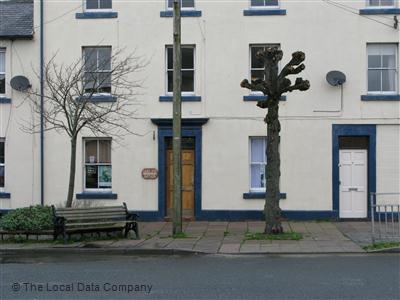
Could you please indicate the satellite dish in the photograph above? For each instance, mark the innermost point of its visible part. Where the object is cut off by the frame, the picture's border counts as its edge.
(335, 78)
(20, 83)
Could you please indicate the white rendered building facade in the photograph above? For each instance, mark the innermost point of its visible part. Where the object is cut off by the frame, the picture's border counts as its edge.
(338, 144)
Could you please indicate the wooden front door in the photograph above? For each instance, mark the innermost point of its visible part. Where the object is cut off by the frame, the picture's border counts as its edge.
(187, 183)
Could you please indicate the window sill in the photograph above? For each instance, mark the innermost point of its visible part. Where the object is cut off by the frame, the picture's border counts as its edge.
(184, 13)
(380, 11)
(97, 15)
(259, 98)
(264, 12)
(5, 100)
(184, 98)
(5, 195)
(101, 98)
(378, 97)
(96, 195)
(259, 195)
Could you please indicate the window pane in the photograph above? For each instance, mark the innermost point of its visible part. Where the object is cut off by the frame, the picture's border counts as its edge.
(187, 58)
(387, 2)
(104, 177)
(374, 80)
(271, 2)
(1, 152)
(92, 4)
(257, 176)
(91, 177)
(170, 3)
(104, 58)
(2, 84)
(257, 75)
(104, 83)
(187, 81)
(257, 2)
(187, 3)
(170, 81)
(90, 55)
(105, 151)
(374, 61)
(91, 151)
(257, 150)
(105, 4)
(1, 176)
(373, 2)
(388, 80)
(90, 82)
(2, 62)
(389, 61)
(255, 62)
(170, 58)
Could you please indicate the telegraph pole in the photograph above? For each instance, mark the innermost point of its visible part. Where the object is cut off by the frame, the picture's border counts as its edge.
(176, 122)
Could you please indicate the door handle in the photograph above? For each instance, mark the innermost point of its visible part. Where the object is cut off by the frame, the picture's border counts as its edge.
(353, 189)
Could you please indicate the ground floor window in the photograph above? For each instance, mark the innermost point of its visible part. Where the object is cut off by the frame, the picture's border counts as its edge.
(97, 172)
(258, 161)
(2, 163)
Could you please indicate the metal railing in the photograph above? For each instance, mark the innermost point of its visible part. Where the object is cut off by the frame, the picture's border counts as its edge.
(385, 225)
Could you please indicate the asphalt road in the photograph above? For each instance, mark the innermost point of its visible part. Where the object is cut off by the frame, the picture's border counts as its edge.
(203, 277)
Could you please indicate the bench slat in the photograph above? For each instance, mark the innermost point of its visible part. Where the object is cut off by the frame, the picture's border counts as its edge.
(67, 212)
(94, 217)
(83, 225)
(93, 214)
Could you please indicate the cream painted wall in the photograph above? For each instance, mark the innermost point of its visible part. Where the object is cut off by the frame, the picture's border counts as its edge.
(332, 39)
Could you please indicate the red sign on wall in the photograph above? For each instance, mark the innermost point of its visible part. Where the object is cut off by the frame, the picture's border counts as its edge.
(150, 173)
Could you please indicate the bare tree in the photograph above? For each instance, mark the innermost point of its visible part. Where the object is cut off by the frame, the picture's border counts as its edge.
(273, 86)
(95, 92)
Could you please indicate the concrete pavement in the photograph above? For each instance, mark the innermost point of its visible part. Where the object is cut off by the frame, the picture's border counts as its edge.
(227, 238)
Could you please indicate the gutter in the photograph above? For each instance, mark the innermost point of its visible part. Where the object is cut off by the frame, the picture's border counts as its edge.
(41, 103)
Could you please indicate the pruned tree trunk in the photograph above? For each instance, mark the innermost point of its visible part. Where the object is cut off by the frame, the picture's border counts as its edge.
(272, 170)
(273, 85)
(72, 171)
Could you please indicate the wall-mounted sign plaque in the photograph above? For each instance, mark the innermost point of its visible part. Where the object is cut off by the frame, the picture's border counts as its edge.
(150, 173)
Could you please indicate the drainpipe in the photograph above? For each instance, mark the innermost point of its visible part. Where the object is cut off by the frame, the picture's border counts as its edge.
(41, 105)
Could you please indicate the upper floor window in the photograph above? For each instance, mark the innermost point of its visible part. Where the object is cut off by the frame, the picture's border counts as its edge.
(257, 65)
(258, 161)
(2, 163)
(188, 69)
(98, 5)
(264, 3)
(2, 71)
(381, 3)
(382, 68)
(97, 69)
(185, 4)
(97, 174)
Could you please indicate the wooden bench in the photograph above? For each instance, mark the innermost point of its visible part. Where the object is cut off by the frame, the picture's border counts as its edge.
(95, 219)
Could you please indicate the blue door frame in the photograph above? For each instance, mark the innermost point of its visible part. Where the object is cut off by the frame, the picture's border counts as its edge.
(353, 130)
(190, 128)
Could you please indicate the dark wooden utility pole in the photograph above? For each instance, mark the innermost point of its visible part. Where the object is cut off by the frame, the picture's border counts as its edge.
(273, 86)
(176, 124)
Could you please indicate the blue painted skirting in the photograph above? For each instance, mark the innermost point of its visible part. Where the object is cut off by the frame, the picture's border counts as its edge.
(97, 196)
(259, 98)
(380, 97)
(97, 15)
(264, 12)
(259, 195)
(240, 215)
(184, 98)
(5, 100)
(353, 130)
(184, 13)
(379, 11)
(5, 195)
(101, 98)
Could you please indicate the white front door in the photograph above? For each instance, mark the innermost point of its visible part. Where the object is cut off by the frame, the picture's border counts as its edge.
(353, 184)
